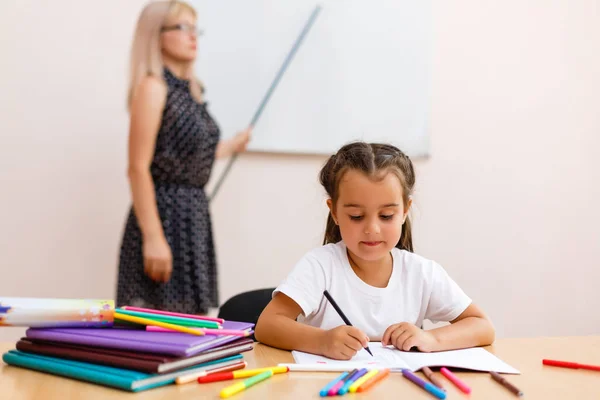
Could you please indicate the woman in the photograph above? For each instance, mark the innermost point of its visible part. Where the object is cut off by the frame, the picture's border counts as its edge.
(167, 258)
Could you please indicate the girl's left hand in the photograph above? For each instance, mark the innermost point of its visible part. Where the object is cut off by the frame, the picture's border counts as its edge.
(405, 336)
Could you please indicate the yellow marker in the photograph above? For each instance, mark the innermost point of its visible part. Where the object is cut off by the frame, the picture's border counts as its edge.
(246, 373)
(146, 321)
(362, 380)
(238, 387)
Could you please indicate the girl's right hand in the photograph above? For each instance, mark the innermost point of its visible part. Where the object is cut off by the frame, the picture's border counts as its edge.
(158, 260)
(343, 342)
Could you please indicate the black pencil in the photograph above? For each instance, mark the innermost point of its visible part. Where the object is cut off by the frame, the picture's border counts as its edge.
(341, 313)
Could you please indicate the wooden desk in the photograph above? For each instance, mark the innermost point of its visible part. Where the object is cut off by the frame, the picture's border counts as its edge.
(536, 380)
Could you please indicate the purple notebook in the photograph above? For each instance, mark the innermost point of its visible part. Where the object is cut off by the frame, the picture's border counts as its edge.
(171, 343)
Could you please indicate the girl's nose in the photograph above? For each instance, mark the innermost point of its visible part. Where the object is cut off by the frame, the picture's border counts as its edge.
(372, 228)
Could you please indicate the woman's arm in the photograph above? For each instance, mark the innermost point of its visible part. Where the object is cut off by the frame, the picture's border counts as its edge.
(146, 112)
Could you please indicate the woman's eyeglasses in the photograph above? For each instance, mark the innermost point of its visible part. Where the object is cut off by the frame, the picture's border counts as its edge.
(183, 28)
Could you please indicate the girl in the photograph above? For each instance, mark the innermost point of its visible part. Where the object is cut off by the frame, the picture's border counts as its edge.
(368, 267)
(167, 258)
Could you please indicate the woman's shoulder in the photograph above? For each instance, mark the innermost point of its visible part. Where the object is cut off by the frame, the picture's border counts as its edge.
(150, 89)
(152, 84)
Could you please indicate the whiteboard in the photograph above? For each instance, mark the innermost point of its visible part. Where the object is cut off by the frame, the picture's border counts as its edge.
(361, 73)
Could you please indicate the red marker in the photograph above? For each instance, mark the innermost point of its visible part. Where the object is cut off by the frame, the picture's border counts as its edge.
(566, 364)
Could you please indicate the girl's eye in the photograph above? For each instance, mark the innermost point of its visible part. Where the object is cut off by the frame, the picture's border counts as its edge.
(356, 217)
(386, 217)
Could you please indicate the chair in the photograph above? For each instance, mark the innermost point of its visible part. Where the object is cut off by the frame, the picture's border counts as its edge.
(246, 306)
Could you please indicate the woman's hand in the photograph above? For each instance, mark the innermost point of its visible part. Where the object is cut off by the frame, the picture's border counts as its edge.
(241, 139)
(158, 260)
(236, 144)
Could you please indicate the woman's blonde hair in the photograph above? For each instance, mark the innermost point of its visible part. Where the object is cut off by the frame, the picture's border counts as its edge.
(146, 57)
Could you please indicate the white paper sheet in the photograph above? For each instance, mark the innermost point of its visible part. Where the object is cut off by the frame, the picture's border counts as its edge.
(476, 359)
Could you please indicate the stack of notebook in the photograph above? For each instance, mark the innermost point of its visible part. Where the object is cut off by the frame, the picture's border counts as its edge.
(128, 357)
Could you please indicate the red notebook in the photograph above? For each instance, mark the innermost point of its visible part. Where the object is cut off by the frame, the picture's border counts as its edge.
(132, 360)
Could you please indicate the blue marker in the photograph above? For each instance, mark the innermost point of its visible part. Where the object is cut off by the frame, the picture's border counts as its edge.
(325, 390)
(434, 390)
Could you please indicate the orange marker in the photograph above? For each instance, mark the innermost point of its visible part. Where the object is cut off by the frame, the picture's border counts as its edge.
(365, 386)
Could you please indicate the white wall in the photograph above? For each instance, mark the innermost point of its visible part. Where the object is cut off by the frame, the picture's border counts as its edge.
(507, 202)
(63, 127)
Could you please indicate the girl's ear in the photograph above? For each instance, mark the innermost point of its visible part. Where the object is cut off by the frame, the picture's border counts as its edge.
(407, 209)
(332, 210)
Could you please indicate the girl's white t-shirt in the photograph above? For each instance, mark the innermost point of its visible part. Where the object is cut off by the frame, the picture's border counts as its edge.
(418, 289)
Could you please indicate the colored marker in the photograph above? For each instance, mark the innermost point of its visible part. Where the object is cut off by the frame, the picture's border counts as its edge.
(431, 388)
(207, 331)
(238, 387)
(314, 367)
(365, 386)
(362, 380)
(567, 364)
(325, 389)
(146, 321)
(429, 374)
(454, 379)
(227, 376)
(344, 389)
(189, 322)
(335, 388)
(173, 314)
(192, 377)
(498, 378)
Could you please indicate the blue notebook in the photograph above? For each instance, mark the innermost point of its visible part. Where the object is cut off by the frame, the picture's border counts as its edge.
(125, 379)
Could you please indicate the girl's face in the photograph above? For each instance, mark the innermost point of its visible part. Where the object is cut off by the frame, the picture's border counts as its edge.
(370, 213)
(179, 36)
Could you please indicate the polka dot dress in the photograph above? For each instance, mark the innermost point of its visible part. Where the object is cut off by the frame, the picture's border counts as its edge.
(182, 163)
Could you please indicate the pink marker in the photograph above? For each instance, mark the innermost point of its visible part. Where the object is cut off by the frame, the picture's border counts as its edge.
(174, 314)
(336, 388)
(219, 332)
(454, 379)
